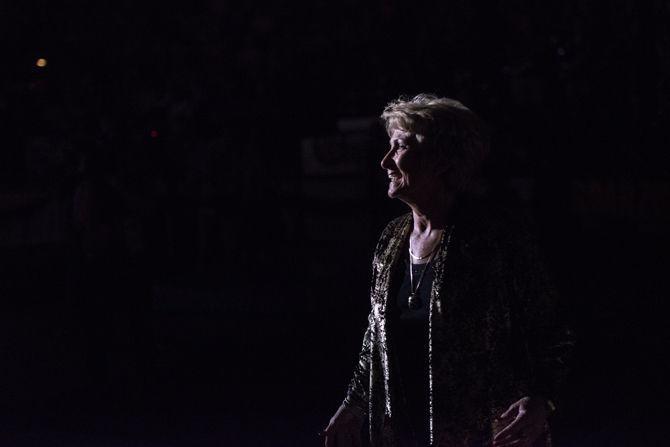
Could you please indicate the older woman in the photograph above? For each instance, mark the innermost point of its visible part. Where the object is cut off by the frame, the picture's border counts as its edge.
(463, 347)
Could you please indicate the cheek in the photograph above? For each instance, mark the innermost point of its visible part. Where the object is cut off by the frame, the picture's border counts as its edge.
(407, 164)
(410, 169)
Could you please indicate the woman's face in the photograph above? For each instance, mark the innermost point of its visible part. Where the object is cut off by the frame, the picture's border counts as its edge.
(410, 166)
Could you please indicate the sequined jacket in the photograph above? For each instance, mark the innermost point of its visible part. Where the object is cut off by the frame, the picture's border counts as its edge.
(494, 333)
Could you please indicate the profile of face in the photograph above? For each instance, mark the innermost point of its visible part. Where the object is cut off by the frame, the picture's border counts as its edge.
(411, 166)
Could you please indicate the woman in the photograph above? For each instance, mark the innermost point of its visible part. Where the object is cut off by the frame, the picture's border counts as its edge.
(463, 347)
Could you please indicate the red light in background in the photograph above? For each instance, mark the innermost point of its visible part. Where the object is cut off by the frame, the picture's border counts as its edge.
(153, 133)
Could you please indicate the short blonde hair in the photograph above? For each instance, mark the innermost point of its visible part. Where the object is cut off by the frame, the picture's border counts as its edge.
(451, 128)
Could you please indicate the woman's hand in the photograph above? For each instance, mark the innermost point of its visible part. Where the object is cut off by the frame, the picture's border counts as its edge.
(344, 429)
(529, 420)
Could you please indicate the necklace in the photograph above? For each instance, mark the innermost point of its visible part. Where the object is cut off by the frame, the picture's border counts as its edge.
(420, 258)
(412, 301)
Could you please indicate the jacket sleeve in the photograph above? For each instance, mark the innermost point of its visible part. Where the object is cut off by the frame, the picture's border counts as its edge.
(357, 396)
(548, 341)
(357, 391)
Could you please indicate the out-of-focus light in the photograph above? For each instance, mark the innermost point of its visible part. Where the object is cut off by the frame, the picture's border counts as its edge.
(41, 62)
(561, 51)
(153, 133)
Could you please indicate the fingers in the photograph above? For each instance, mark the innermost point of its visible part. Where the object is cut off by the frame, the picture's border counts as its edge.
(516, 439)
(507, 413)
(510, 431)
(515, 443)
(523, 435)
(510, 410)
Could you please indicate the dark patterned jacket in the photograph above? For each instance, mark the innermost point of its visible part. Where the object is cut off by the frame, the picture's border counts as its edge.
(494, 333)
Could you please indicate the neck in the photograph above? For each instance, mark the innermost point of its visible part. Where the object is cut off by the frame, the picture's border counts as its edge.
(433, 213)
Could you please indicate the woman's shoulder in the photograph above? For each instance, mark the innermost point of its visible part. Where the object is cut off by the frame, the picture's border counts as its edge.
(397, 224)
(393, 232)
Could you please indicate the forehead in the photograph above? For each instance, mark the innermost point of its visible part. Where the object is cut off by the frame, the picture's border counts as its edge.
(397, 134)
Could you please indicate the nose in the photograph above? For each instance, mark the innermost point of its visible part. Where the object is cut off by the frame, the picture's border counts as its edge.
(387, 160)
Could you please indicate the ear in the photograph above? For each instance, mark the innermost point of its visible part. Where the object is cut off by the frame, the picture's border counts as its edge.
(443, 164)
(437, 161)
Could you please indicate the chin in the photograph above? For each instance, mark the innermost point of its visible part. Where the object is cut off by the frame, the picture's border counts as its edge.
(398, 190)
(394, 193)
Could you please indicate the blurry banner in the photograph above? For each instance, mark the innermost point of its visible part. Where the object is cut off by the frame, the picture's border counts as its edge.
(334, 166)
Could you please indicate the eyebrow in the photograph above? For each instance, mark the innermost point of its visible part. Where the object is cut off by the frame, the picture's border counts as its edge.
(396, 142)
(403, 139)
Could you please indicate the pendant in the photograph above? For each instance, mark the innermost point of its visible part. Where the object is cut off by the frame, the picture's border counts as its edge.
(412, 302)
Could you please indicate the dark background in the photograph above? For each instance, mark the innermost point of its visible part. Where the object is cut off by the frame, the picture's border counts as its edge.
(190, 195)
